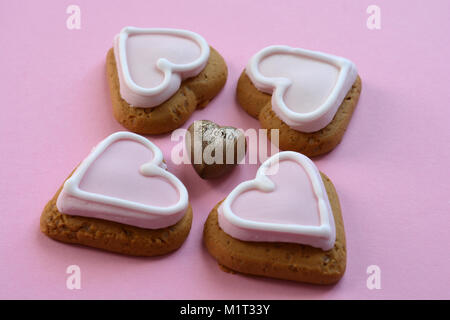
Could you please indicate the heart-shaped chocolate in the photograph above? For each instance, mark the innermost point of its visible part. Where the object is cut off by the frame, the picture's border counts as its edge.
(213, 149)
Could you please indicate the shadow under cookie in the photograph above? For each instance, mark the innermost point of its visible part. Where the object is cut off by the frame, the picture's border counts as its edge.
(194, 93)
(113, 236)
(288, 261)
(258, 104)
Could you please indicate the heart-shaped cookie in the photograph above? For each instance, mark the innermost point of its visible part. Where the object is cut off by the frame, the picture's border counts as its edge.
(214, 150)
(307, 87)
(124, 179)
(152, 62)
(286, 202)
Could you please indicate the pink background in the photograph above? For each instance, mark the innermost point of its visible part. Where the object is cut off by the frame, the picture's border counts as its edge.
(391, 170)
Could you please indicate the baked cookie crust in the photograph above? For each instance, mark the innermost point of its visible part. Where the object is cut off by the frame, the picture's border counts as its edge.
(113, 236)
(258, 105)
(194, 93)
(288, 261)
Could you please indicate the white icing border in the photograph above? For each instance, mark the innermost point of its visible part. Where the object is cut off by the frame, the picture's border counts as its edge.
(185, 70)
(323, 236)
(155, 167)
(322, 116)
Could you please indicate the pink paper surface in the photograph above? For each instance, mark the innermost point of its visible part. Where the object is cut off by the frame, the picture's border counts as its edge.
(391, 169)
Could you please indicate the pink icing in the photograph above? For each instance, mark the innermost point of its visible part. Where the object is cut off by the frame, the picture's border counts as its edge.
(143, 51)
(307, 87)
(151, 63)
(124, 180)
(312, 80)
(115, 173)
(287, 202)
(291, 185)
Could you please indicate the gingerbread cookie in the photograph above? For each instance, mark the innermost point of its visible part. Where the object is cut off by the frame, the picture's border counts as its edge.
(159, 77)
(308, 96)
(121, 198)
(285, 224)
